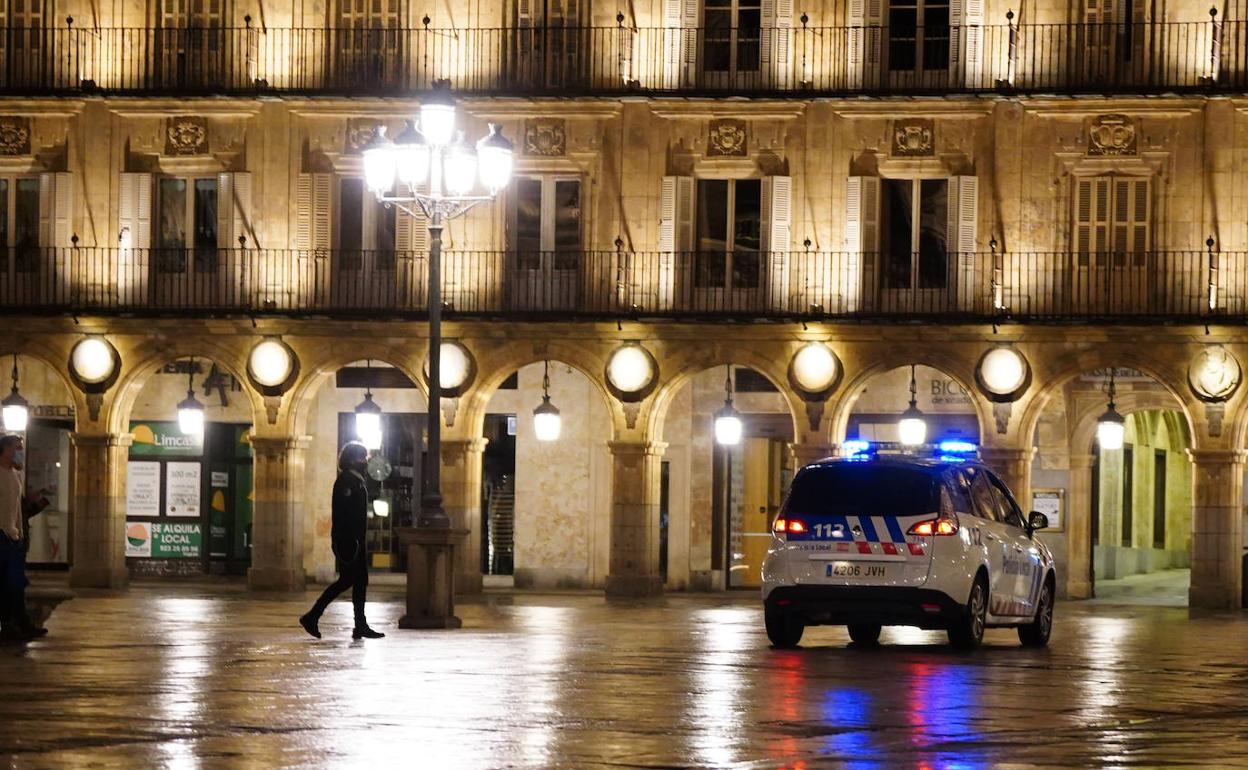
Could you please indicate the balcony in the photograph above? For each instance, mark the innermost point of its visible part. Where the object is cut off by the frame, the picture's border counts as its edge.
(1136, 287)
(613, 61)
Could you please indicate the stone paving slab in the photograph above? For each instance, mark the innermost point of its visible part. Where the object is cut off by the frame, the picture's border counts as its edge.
(189, 677)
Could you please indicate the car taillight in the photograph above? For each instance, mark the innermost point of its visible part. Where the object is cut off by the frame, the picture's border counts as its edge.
(784, 526)
(941, 526)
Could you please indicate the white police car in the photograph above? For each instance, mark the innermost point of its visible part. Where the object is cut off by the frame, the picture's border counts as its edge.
(936, 542)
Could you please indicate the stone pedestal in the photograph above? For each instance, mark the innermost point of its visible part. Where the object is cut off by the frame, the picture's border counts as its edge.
(430, 577)
(635, 480)
(461, 498)
(99, 526)
(1079, 529)
(1217, 529)
(277, 526)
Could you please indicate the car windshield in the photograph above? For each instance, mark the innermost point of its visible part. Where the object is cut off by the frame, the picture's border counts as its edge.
(864, 489)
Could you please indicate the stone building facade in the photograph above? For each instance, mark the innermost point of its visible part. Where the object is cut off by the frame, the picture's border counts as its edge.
(906, 183)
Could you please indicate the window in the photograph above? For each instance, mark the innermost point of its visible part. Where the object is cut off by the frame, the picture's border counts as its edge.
(546, 223)
(1112, 217)
(863, 489)
(1007, 509)
(19, 223)
(364, 225)
(732, 31)
(1159, 499)
(24, 20)
(186, 223)
(983, 499)
(914, 243)
(1128, 494)
(918, 35)
(1111, 30)
(728, 234)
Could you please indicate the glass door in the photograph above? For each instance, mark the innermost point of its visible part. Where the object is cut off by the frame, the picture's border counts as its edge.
(915, 269)
(546, 243)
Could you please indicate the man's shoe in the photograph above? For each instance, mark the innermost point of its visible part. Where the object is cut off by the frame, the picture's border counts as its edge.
(366, 633)
(34, 632)
(309, 624)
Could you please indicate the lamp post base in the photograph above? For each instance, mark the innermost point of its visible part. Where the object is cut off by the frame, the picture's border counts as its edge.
(430, 577)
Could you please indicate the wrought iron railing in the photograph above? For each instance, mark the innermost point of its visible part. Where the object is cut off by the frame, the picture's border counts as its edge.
(1199, 286)
(803, 60)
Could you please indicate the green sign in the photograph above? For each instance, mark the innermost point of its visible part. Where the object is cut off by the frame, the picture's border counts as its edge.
(181, 540)
(164, 439)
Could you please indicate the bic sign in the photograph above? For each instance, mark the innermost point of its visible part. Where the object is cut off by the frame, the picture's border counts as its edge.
(947, 391)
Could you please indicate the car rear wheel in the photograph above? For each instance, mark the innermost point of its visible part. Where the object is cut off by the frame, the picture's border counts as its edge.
(1036, 633)
(865, 634)
(783, 629)
(967, 632)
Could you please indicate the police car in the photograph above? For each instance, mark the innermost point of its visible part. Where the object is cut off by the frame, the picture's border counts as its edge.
(935, 541)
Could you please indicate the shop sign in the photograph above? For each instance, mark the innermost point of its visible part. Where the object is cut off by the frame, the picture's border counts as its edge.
(182, 489)
(142, 488)
(220, 479)
(182, 540)
(138, 539)
(164, 439)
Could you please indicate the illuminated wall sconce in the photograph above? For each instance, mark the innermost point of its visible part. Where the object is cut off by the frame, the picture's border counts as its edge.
(631, 372)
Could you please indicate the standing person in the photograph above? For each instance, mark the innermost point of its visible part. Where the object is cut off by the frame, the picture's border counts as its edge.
(15, 624)
(350, 520)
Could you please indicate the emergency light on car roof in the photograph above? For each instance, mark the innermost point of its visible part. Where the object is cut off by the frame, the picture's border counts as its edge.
(856, 449)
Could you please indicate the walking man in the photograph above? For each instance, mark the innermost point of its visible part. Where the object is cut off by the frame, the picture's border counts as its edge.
(15, 623)
(350, 520)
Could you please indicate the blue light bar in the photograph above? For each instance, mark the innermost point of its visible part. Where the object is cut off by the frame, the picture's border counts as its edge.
(856, 448)
(956, 447)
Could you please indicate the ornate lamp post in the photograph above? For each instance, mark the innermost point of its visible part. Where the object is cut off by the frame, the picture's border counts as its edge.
(429, 170)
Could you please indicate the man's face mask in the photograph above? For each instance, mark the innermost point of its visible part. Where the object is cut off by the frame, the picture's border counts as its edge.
(19, 457)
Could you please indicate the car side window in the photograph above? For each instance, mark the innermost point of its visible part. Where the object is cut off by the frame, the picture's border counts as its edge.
(1010, 513)
(959, 487)
(982, 497)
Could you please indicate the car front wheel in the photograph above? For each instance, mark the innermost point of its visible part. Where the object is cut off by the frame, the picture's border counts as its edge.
(783, 629)
(967, 631)
(1036, 633)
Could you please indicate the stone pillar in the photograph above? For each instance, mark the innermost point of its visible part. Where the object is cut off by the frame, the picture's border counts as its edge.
(461, 497)
(277, 523)
(1013, 466)
(99, 520)
(805, 454)
(635, 478)
(1079, 528)
(1217, 528)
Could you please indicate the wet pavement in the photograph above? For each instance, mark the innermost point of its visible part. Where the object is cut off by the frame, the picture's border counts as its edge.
(210, 676)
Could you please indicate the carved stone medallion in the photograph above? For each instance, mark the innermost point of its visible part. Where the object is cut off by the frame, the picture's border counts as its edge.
(1112, 135)
(186, 135)
(545, 137)
(727, 138)
(359, 133)
(14, 135)
(914, 138)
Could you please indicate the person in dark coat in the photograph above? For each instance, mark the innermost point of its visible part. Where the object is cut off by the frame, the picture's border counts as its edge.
(350, 520)
(16, 510)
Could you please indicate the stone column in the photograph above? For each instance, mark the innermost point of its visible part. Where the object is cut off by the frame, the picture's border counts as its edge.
(99, 520)
(805, 454)
(1013, 466)
(277, 522)
(1079, 528)
(635, 478)
(461, 497)
(1217, 528)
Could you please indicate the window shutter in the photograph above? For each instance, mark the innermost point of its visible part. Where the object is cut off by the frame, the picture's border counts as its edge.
(312, 225)
(1092, 218)
(865, 41)
(862, 232)
(56, 221)
(777, 235)
(411, 234)
(1130, 220)
(676, 214)
(777, 42)
(234, 209)
(524, 13)
(963, 213)
(966, 33)
(134, 210)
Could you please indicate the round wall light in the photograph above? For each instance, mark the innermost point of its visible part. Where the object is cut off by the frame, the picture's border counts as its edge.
(815, 369)
(456, 369)
(94, 364)
(631, 372)
(1214, 374)
(1003, 374)
(272, 366)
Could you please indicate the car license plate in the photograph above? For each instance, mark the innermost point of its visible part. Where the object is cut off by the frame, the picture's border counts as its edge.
(852, 569)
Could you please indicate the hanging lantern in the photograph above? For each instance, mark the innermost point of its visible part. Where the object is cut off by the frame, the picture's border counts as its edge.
(1111, 427)
(190, 410)
(911, 426)
(728, 427)
(16, 409)
(368, 419)
(547, 423)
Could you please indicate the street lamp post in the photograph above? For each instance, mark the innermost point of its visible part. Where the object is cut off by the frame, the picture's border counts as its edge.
(430, 171)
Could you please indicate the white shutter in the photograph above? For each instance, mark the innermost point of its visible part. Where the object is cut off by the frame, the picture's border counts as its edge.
(862, 232)
(56, 200)
(966, 40)
(524, 13)
(680, 42)
(675, 232)
(777, 195)
(777, 43)
(865, 40)
(312, 224)
(134, 210)
(1131, 219)
(963, 213)
(411, 234)
(234, 210)
(1092, 218)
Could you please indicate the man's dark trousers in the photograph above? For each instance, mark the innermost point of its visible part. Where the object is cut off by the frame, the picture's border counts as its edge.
(353, 575)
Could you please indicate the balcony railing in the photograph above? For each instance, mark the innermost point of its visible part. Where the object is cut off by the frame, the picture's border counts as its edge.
(1195, 286)
(1060, 58)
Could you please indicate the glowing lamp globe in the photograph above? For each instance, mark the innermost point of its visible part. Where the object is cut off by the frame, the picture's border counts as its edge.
(437, 117)
(1111, 429)
(92, 360)
(629, 369)
(1003, 371)
(381, 508)
(191, 417)
(411, 157)
(16, 413)
(270, 363)
(460, 168)
(815, 367)
(912, 428)
(379, 165)
(547, 424)
(454, 366)
(368, 423)
(495, 159)
(728, 427)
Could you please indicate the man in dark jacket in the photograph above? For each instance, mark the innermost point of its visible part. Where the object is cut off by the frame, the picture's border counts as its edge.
(350, 520)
